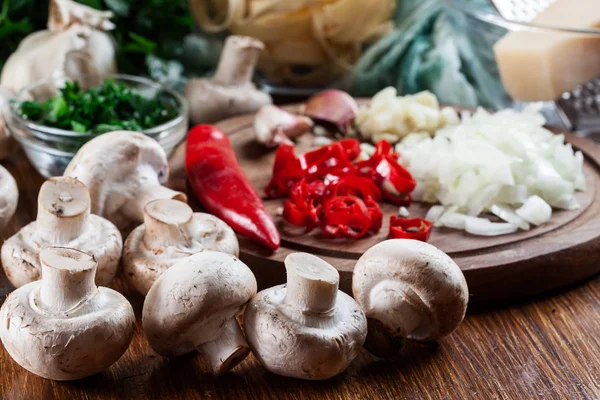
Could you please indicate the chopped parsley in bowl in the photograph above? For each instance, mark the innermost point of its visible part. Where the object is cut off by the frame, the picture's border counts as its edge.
(52, 119)
(108, 107)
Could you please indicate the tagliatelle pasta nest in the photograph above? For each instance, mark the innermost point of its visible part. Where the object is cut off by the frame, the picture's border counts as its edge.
(307, 42)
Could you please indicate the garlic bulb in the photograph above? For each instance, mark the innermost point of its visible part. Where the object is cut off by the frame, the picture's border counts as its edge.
(75, 44)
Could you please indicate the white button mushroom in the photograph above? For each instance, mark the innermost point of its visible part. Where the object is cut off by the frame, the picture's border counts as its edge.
(408, 289)
(193, 305)
(306, 329)
(9, 196)
(231, 91)
(124, 171)
(171, 232)
(63, 219)
(64, 327)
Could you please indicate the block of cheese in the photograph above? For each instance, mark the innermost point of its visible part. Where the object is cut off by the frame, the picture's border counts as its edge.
(541, 65)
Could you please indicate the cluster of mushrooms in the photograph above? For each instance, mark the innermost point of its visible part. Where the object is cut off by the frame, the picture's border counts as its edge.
(62, 323)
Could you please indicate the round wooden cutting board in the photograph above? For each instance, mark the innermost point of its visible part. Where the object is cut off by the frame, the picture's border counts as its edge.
(557, 254)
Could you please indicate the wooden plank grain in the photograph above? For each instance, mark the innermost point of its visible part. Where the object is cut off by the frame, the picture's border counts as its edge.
(546, 348)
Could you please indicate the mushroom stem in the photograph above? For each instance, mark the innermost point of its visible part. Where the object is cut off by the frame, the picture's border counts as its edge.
(228, 349)
(238, 60)
(395, 297)
(312, 284)
(67, 278)
(63, 208)
(150, 190)
(167, 223)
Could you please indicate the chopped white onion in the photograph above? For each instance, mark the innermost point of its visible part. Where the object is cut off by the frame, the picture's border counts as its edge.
(453, 220)
(484, 227)
(509, 215)
(403, 212)
(434, 213)
(487, 159)
(535, 210)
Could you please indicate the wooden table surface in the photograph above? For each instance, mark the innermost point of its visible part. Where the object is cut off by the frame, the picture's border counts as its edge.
(546, 348)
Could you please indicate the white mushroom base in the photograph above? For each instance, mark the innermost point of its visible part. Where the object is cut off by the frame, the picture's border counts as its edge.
(20, 253)
(304, 345)
(147, 256)
(64, 346)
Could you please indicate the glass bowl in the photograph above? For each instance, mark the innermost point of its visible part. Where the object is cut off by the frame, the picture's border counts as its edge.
(481, 26)
(50, 149)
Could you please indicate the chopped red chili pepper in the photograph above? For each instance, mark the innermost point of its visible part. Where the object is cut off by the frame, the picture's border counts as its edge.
(345, 217)
(331, 159)
(327, 189)
(286, 172)
(354, 185)
(395, 181)
(304, 204)
(410, 228)
(375, 214)
(328, 162)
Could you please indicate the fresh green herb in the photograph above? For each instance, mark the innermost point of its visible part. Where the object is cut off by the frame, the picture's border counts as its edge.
(108, 107)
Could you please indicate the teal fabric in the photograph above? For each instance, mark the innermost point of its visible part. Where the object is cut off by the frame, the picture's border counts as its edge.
(433, 48)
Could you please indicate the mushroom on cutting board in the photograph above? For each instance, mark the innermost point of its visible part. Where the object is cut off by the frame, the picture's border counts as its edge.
(171, 232)
(64, 327)
(124, 171)
(9, 196)
(408, 289)
(308, 328)
(230, 91)
(193, 306)
(63, 219)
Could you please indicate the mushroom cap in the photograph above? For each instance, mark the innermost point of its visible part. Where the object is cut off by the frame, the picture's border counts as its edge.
(115, 167)
(65, 199)
(20, 253)
(70, 345)
(290, 343)
(419, 274)
(9, 196)
(143, 265)
(191, 301)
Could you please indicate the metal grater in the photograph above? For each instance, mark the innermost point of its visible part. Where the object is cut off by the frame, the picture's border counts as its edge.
(578, 109)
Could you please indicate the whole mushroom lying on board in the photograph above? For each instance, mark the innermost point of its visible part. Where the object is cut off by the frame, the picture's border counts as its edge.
(231, 91)
(64, 327)
(307, 328)
(193, 306)
(124, 171)
(408, 290)
(63, 219)
(171, 232)
(9, 196)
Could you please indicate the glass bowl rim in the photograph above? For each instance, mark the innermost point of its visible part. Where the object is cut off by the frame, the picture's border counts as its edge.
(498, 20)
(182, 110)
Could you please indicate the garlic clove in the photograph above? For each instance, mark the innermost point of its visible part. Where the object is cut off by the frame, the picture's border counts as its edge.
(332, 106)
(274, 126)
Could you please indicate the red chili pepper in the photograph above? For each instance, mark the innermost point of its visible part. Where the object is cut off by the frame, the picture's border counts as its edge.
(303, 206)
(333, 159)
(395, 181)
(328, 162)
(410, 228)
(375, 213)
(220, 184)
(286, 172)
(345, 216)
(354, 185)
